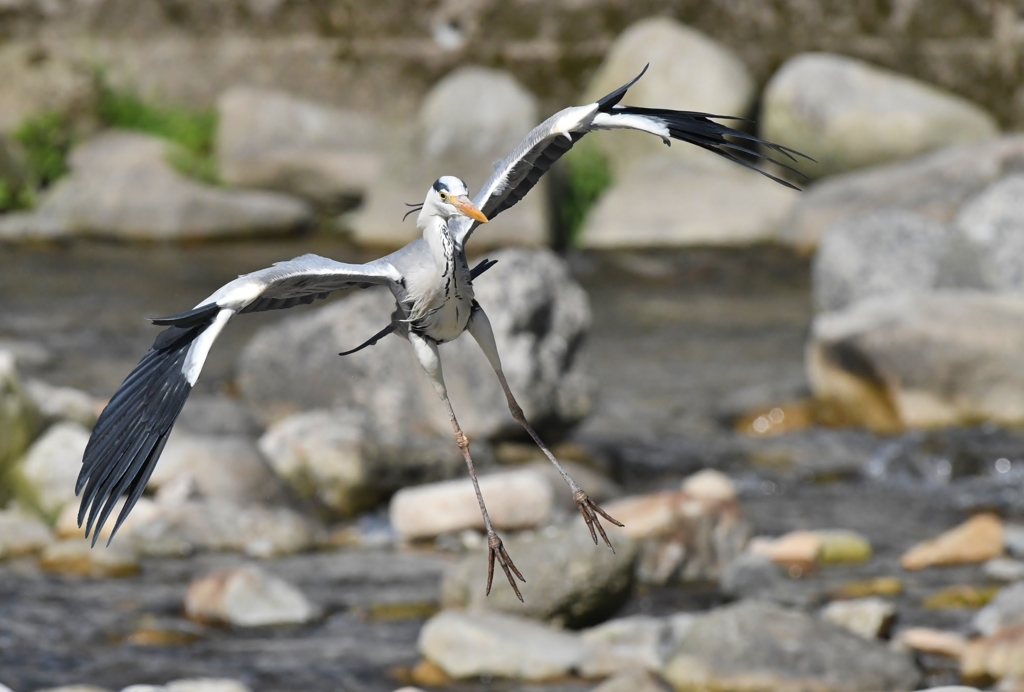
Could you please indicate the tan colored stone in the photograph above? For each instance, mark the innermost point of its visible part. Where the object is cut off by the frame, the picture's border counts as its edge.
(866, 617)
(710, 485)
(22, 534)
(799, 548)
(979, 539)
(78, 557)
(932, 641)
(145, 510)
(998, 656)
(247, 596)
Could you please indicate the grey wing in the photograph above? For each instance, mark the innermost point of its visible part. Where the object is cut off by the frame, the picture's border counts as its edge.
(516, 175)
(132, 430)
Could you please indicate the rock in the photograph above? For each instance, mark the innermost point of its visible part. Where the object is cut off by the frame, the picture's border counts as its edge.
(122, 187)
(276, 141)
(876, 586)
(870, 618)
(992, 224)
(934, 642)
(540, 317)
(841, 546)
(216, 414)
(30, 88)
(998, 656)
(759, 646)
(710, 485)
(247, 596)
(978, 539)
(684, 538)
(876, 254)
(755, 576)
(688, 71)
(57, 404)
(960, 596)
(154, 631)
(934, 185)
(76, 556)
(223, 467)
(332, 459)
(27, 353)
(633, 681)
(50, 468)
(941, 359)
(1013, 540)
(473, 117)
(1004, 569)
(515, 500)
(68, 688)
(569, 579)
(797, 548)
(193, 685)
(1005, 610)
(467, 645)
(725, 205)
(19, 420)
(22, 534)
(847, 114)
(66, 526)
(625, 644)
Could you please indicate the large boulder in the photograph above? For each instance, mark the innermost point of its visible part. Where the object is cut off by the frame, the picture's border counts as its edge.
(333, 460)
(759, 647)
(688, 71)
(937, 359)
(50, 468)
(540, 316)
(569, 580)
(934, 185)
(992, 225)
(121, 186)
(668, 202)
(885, 252)
(470, 119)
(276, 141)
(847, 114)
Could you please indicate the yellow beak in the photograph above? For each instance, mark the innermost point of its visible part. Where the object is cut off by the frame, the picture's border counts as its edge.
(464, 205)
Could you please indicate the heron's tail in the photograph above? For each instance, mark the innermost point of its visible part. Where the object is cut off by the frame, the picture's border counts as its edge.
(133, 428)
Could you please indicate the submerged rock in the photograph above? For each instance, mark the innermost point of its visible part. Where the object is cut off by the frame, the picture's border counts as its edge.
(247, 596)
(467, 645)
(568, 578)
(761, 647)
(841, 112)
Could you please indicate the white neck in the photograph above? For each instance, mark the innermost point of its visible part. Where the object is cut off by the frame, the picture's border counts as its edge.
(435, 232)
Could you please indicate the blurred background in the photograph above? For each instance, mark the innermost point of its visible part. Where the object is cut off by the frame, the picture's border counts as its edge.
(806, 407)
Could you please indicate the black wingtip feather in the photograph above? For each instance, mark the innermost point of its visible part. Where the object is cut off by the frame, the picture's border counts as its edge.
(606, 103)
(700, 129)
(132, 430)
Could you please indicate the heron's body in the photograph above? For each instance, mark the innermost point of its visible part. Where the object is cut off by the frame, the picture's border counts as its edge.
(433, 289)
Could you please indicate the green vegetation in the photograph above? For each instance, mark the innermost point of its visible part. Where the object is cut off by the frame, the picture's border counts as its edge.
(587, 176)
(46, 139)
(193, 131)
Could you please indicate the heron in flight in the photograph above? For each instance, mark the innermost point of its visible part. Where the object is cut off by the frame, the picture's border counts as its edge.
(433, 289)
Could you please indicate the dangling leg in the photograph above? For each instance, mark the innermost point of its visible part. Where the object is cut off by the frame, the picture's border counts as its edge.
(480, 328)
(426, 352)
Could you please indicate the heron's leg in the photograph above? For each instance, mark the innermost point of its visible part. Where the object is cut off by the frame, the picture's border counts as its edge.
(480, 327)
(426, 353)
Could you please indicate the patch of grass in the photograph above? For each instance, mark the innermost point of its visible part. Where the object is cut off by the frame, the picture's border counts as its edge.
(588, 175)
(193, 131)
(45, 141)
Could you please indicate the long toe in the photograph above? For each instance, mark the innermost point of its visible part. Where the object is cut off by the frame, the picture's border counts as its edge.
(496, 550)
(590, 511)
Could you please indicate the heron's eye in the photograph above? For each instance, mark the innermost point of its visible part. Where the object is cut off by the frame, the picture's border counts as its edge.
(444, 196)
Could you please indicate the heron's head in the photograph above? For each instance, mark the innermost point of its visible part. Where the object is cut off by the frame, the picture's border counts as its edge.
(448, 197)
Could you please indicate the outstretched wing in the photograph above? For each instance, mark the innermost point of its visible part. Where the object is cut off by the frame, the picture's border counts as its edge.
(516, 175)
(133, 428)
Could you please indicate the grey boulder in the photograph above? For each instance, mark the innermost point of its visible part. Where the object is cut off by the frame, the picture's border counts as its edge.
(760, 647)
(848, 114)
(121, 186)
(276, 141)
(1005, 610)
(992, 225)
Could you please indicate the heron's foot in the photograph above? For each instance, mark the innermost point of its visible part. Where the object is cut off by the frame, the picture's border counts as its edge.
(590, 510)
(496, 550)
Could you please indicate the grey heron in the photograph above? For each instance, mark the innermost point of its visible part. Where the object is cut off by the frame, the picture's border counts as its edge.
(434, 303)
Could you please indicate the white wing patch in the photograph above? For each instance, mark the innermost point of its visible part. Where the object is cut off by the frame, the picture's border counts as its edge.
(200, 348)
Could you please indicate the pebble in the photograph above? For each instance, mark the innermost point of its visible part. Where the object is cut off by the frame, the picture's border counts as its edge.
(797, 548)
(932, 641)
(193, 685)
(960, 596)
(568, 579)
(876, 586)
(76, 556)
(1004, 569)
(515, 500)
(710, 485)
(624, 644)
(22, 534)
(841, 546)
(979, 539)
(870, 618)
(467, 645)
(999, 656)
(247, 596)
